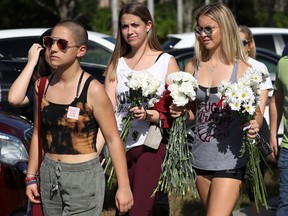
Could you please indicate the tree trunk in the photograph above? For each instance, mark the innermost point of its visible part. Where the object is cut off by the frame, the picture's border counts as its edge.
(114, 8)
(151, 7)
(179, 16)
(188, 8)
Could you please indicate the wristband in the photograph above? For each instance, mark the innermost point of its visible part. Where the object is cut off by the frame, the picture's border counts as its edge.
(30, 182)
(30, 179)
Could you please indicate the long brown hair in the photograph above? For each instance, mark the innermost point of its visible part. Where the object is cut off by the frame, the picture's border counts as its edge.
(121, 47)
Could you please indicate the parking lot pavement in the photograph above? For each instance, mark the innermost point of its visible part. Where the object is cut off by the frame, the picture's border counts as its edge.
(272, 205)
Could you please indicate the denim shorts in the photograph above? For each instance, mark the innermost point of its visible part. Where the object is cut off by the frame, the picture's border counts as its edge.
(72, 189)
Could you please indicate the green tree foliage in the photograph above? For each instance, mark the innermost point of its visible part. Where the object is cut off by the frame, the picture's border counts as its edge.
(24, 14)
(101, 21)
(46, 13)
(165, 17)
(259, 13)
(280, 20)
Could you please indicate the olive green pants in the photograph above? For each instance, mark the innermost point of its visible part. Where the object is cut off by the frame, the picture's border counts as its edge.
(72, 189)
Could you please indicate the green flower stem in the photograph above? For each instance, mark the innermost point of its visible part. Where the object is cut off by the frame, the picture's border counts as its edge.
(136, 99)
(253, 176)
(177, 174)
(253, 173)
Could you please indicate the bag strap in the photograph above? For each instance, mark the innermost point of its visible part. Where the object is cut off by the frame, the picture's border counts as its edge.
(40, 96)
(159, 57)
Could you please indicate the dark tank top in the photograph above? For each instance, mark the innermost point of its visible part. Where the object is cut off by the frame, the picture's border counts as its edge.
(66, 132)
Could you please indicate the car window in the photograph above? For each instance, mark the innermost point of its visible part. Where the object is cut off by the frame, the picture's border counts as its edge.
(7, 77)
(96, 54)
(110, 39)
(269, 60)
(271, 66)
(183, 60)
(285, 38)
(16, 47)
(265, 41)
(169, 43)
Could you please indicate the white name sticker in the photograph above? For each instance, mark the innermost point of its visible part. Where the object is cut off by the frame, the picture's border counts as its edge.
(73, 112)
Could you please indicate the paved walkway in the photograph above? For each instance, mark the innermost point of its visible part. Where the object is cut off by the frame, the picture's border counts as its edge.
(272, 205)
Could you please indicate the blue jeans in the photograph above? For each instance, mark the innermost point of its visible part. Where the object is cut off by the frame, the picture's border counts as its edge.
(283, 171)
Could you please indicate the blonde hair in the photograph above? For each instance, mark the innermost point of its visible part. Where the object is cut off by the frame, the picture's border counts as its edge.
(121, 47)
(249, 37)
(231, 46)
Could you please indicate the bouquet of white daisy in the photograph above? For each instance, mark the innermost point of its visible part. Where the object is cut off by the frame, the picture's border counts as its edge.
(142, 85)
(177, 174)
(244, 97)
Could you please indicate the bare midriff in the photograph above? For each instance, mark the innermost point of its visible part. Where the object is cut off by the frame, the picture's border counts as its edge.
(65, 158)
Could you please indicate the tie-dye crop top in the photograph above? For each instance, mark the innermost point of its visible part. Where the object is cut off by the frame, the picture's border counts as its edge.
(66, 132)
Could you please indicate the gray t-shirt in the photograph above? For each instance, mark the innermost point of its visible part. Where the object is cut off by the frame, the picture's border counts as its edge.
(218, 133)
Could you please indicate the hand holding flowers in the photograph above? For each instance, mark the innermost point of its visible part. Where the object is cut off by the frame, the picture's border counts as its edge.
(142, 85)
(244, 98)
(177, 174)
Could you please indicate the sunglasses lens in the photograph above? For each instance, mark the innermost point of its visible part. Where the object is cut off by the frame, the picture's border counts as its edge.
(198, 30)
(47, 42)
(62, 44)
(208, 31)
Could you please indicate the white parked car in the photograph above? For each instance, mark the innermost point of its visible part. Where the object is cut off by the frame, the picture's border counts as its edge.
(273, 39)
(15, 43)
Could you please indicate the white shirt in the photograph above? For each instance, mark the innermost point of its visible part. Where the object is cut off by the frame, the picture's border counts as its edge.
(158, 70)
(261, 66)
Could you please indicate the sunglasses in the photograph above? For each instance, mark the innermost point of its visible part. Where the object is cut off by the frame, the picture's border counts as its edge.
(207, 30)
(62, 44)
(245, 42)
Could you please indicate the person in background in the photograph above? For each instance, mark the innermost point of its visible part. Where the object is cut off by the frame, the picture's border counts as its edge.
(278, 108)
(21, 91)
(138, 49)
(216, 150)
(285, 50)
(250, 52)
(38, 65)
(73, 107)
